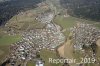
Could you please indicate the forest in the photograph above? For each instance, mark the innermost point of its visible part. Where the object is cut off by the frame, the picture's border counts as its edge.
(88, 9)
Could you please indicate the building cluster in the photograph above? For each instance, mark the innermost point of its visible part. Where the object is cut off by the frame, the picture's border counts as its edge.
(33, 41)
(46, 17)
(44, 38)
(84, 34)
(22, 51)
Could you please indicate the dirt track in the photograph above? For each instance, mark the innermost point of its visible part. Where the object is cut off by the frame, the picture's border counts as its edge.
(66, 50)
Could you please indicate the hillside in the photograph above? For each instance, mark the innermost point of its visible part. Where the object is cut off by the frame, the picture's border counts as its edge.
(88, 9)
(10, 8)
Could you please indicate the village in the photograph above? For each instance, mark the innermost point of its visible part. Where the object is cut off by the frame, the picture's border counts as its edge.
(51, 37)
(34, 31)
(33, 41)
(84, 35)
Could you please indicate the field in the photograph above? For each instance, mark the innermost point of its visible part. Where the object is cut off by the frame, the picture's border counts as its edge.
(5, 42)
(30, 63)
(45, 55)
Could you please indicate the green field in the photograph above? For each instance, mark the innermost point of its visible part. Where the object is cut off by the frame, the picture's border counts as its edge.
(5, 42)
(65, 22)
(30, 63)
(45, 55)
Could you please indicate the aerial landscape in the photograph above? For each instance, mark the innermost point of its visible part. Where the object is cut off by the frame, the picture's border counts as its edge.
(49, 33)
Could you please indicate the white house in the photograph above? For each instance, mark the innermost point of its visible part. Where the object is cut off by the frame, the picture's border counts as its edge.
(39, 63)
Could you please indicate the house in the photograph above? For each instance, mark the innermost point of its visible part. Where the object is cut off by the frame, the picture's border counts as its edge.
(39, 63)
